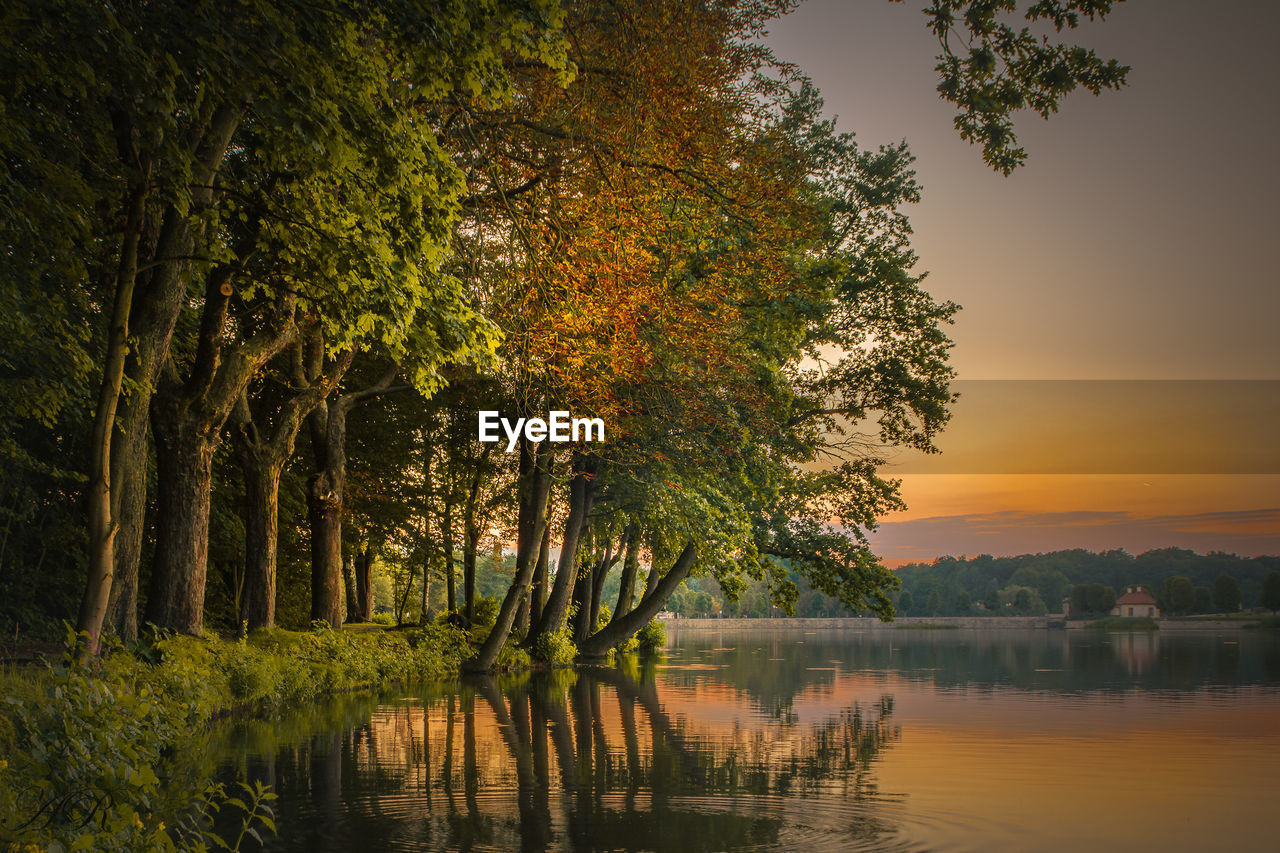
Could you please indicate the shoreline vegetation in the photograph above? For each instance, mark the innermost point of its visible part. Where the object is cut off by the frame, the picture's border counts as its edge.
(96, 751)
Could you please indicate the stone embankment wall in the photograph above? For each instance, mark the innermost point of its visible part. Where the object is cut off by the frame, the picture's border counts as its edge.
(870, 623)
(853, 623)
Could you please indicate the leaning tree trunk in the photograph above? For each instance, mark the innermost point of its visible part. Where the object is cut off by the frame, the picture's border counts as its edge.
(534, 487)
(630, 566)
(622, 628)
(597, 584)
(581, 598)
(581, 489)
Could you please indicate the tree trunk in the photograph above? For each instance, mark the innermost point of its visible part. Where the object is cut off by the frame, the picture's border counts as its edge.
(521, 626)
(597, 585)
(581, 489)
(470, 544)
(102, 524)
(581, 598)
(426, 537)
(324, 513)
(328, 424)
(622, 629)
(187, 419)
(446, 542)
(129, 455)
(538, 593)
(326, 488)
(630, 566)
(261, 529)
(349, 585)
(152, 314)
(184, 462)
(156, 310)
(534, 487)
(262, 459)
(364, 581)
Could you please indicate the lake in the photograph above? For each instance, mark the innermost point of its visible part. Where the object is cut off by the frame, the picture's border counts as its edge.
(791, 740)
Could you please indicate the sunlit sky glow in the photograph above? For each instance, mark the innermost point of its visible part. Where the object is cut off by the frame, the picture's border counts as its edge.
(1136, 244)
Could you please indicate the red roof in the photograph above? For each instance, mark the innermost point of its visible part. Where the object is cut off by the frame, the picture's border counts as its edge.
(1136, 598)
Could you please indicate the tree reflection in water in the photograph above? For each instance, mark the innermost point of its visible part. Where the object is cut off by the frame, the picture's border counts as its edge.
(567, 760)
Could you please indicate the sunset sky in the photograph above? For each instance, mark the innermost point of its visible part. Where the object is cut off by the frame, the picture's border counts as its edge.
(1134, 245)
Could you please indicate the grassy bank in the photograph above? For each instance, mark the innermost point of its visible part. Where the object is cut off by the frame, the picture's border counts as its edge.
(1124, 623)
(98, 755)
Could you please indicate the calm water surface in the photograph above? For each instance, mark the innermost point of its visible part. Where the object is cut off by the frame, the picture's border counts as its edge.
(741, 740)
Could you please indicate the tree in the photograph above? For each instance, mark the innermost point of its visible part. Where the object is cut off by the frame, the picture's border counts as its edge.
(200, 165)
(1270, 597)
(905, 601)
(1226, 593)
(1092, 599)
(933, 604)
(1204, 599)
(994, 70)
(1177, 594)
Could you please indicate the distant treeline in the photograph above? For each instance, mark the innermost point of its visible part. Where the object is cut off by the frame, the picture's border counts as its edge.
(1038, 583)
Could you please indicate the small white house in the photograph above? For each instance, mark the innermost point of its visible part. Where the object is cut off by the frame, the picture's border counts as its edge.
(1136, 602)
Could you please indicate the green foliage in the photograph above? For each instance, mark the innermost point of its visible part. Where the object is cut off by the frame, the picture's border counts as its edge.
(1204, 600)
(1093, 599)
(1270, 596)
(555, 648)
(1177, 595)
(486, 610)
(1226, 593)
(984, 576)
(86, 761)
(652, 637)
(992, 69)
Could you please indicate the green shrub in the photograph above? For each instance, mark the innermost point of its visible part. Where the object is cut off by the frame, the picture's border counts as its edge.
(84, 746)
(486, 610)
(652, 637)
(82, 761)
(555, 648)
(385, 617)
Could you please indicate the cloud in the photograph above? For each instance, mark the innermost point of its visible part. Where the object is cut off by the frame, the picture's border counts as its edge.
(1247, 532)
